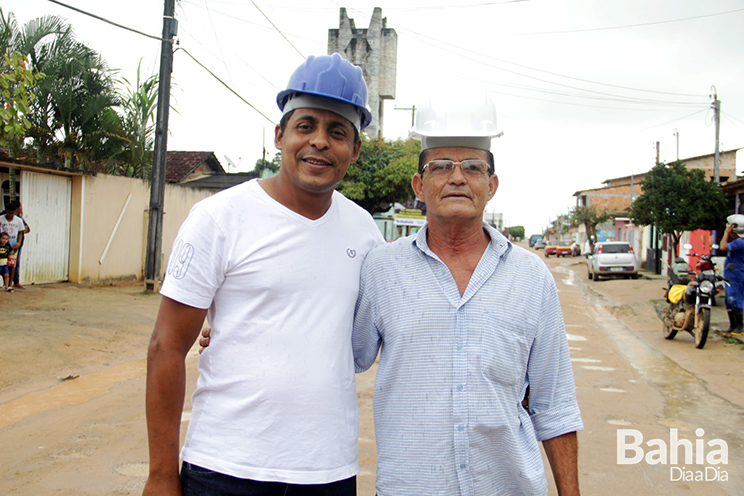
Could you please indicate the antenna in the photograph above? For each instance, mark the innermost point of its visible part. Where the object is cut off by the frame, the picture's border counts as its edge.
(232, 164)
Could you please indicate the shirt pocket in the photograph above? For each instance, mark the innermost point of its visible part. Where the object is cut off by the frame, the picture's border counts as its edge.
(504, 349)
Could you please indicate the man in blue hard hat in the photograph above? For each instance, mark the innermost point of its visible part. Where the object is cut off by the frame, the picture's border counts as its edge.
(274, 266)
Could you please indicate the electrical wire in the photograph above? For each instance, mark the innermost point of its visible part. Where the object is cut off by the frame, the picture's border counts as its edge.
(444, 46)
(109, 22)
(626, 26)
(673, 120)
(226, 85)
(219, 45)
(731, 117)
(431, 39)
(278, 30)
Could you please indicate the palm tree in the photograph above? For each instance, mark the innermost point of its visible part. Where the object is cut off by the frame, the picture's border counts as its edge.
(138, 105)
(72, 114)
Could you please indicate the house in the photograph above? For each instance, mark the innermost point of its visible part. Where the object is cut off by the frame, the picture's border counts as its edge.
(201, 170)
(616, 196)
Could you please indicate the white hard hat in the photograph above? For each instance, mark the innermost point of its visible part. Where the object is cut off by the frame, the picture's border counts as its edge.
(455, 119)
(738, 221)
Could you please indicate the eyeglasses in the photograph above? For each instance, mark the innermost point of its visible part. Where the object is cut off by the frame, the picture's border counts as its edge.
(470, 167)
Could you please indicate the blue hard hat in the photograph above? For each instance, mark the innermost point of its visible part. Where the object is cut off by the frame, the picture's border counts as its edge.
(332, 77)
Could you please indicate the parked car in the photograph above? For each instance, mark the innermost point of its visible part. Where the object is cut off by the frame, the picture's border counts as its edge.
(550, 247)
(535, 238)
(563, 249)
(540, 244)
(612, 258)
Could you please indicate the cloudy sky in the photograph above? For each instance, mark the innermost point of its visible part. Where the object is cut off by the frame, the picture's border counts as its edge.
(584, 89)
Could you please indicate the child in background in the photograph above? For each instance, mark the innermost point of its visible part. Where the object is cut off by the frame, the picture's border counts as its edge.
(5, 250)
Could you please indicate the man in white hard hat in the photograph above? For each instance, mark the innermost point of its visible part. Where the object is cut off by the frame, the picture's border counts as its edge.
(733, 244)
(474, 365)
(274, 265)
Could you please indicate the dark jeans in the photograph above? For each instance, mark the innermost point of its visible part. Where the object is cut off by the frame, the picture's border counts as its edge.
(17, 275)
(198, 481)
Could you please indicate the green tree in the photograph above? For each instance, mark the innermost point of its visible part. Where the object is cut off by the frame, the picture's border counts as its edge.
(382, 175)
(72, 114)
(136, 126)
(263, 165)
(676, 200)
(590, 216)
(16, 82)
(516, 232)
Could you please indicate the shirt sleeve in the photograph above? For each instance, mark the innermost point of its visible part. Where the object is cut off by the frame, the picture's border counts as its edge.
(196, 267)
(735, 245)
(552, 399)
(365, 337)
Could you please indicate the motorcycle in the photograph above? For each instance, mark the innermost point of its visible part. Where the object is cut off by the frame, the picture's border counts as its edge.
(703, 270)
(688, 301)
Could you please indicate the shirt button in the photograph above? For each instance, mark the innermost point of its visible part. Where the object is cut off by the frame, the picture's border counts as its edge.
(459, 388)
(459, 347)
(460, 428)
(462, 466)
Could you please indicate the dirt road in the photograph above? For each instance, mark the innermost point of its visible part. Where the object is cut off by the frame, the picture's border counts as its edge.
(73, 375)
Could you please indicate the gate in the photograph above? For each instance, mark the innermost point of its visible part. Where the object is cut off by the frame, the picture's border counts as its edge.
(47, 201)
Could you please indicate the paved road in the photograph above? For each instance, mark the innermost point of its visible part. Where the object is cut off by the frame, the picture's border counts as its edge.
(86, 436)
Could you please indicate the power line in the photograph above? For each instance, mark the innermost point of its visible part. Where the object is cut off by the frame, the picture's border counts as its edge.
(450, 7)
(674, 120)
(277, 29)
(216, 38)
(109, 22)
(731, 117)
(430, 39)
(654, 23)
(225, 85)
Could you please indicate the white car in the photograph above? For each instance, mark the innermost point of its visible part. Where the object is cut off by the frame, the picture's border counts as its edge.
(612, 258)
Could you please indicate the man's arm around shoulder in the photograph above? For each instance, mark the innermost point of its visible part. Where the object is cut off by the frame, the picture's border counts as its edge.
(176, 329)
(563, 454)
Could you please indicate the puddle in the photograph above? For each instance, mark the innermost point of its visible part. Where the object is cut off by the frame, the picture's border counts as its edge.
(613, 390)
(574, 337)
(71, 392)
(586, 360)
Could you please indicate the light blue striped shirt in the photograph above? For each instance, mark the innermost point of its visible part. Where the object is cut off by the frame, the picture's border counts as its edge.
(454, 370)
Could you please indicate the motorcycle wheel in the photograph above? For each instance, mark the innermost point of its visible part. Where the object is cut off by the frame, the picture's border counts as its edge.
(702, 323)
(667, 331)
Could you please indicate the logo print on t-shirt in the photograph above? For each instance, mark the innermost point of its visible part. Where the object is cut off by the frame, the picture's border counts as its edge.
(351, 252)
(180, 260)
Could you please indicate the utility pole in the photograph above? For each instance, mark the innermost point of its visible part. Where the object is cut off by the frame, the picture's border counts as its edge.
(717, 118)
(658, 146)
(676, 133)
(413, 113)
(157, 183)
(656, 234)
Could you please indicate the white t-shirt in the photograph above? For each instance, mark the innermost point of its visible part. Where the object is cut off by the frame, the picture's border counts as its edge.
(12, 227)
(276, 397)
